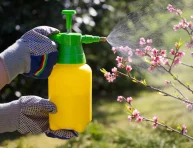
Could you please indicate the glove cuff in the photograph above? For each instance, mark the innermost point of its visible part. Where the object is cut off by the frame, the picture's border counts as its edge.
(9, 115)
(16, 59)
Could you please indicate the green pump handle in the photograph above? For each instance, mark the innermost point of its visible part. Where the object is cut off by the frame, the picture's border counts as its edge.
(68, 14)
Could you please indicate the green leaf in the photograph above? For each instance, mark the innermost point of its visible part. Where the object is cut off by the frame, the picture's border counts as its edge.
(169, 129)
(179, 128)
(130, 110)
(161, 93)
(146, 60)
(175, 76)
(103, 70)
(163, 122)
(144, 82)
(188, 84)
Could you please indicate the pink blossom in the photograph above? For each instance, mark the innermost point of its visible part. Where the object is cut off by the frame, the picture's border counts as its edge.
(177, 61)
(139, 119)
(130, 52)
(120, 65)
(142, 41)
(178, 12)
(151, 68)
(155, 125)
(121, 48)
(191, 54)
(159, 59)
(172, 52)
(147, 49)
(163, 53)
(129, 99)
(139, 52)
(167, 82)
(111, 78)
(119, 59)
(180, 54)
(165, 62)
(129, 60)
(107, 74)
(181, 25)
(154, 51)
(155, 119)
(191, 16)
(188, 45)
(114, 70)
(114, 50)
(153, 63)
(128, 68)
(126, 48)
(130, 117)
(149, 41)
(189, 24)
(189, 106)
(184, 129)
(171, 8)
(120, 98)
(176, 27)
(136, 113)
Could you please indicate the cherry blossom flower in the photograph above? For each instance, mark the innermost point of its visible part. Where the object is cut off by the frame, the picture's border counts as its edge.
(119, 59)
(184, 129)
(114, 70)
(139, 119)
(154, 125)
(129, 99)
(142, 41)
(114, 50)
(130, 117)
(128, 68)
(171, 8)
(149, 41)
(167, 82)
(120, 98)
(136, 113)
(155, 119)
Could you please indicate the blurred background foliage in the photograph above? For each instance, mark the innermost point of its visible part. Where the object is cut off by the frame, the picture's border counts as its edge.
(95, 17)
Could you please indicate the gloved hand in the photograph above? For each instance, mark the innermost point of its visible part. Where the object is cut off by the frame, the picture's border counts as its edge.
(29, 114)
(34, 54)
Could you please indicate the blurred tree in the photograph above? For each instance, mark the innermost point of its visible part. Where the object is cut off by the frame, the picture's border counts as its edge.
(92, 17)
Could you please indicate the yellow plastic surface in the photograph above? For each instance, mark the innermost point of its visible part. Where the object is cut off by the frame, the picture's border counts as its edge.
(70, 89)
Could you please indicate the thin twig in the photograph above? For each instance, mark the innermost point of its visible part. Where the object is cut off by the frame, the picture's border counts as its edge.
(156, 89)
(178, 90)
(170, 128)
(163, 125)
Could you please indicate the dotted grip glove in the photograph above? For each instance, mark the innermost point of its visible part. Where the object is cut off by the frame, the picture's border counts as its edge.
(34, 54)
(29, 114)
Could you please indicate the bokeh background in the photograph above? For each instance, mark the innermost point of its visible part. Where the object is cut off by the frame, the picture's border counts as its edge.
(110, 127)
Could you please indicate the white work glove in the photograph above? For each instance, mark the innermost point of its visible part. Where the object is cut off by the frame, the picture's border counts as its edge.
(29, 114)
(34, 54)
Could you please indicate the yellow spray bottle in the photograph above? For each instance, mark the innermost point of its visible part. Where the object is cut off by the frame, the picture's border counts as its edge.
(70, 83)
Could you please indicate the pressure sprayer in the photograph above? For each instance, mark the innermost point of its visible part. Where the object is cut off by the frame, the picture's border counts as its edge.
(70, 83)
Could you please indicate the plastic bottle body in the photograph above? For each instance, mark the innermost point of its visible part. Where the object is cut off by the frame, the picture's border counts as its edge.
(70, 89)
